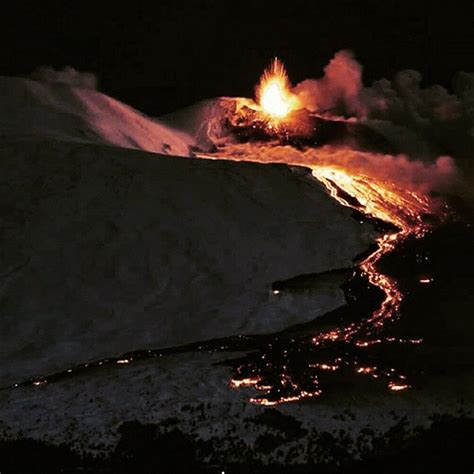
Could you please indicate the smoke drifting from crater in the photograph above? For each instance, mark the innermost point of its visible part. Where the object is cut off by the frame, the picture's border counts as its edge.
(428, 123)
(338, 91)
(69, 75)
(423, 122)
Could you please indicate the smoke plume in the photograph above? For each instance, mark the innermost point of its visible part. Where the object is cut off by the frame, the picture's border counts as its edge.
(422, 123)
(338, 91)
(69, 75)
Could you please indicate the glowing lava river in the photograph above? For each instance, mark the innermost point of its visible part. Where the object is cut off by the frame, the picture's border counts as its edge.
(345, 350)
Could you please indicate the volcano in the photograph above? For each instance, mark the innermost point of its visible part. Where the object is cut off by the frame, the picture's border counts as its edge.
(187, 272)
(98, 215)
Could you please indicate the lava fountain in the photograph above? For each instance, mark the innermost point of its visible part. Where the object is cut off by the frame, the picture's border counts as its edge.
(273, 93)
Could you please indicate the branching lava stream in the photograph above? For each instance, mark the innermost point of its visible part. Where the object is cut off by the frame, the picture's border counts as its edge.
(340, 349)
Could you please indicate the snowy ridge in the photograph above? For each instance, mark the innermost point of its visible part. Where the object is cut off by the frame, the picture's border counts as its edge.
(32, 110)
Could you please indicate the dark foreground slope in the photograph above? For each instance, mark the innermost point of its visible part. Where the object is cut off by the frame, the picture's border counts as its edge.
(106, 250)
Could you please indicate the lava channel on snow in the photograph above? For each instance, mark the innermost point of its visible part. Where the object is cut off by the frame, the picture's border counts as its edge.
(274, 129)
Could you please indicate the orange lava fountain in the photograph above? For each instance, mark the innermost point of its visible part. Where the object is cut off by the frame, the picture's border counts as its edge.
(273, 92)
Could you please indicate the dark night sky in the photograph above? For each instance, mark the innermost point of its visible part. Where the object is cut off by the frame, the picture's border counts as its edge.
(168, 54)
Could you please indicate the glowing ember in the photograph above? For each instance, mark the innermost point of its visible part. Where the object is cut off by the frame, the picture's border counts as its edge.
(366, 370)
(397, 387)
(302, 395)
(426, 280)
(325, 366)
(331, 335)
(367, 343)
(247, 382)
(273, 92)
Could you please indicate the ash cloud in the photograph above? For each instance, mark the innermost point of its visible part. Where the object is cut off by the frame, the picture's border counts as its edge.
(338, 91)
(69, 75)
(422, 122)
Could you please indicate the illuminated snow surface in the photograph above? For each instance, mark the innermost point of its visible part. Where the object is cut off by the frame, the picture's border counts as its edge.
(32, 110)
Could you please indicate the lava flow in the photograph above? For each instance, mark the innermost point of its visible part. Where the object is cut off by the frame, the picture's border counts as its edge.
(383, 201)
(404, 209)
(376, 197)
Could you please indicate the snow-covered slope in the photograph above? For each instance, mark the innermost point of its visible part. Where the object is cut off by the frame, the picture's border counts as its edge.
(105, 250)
(206, 121)
(31, 110)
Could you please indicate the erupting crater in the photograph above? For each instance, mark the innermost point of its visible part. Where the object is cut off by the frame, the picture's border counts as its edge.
(378, 199)
(274, 94)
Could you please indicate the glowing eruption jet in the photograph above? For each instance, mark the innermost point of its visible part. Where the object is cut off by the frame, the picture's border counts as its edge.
(273, 92)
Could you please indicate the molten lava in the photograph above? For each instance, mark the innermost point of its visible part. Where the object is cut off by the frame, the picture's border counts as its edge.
(273, 92)
(384, 201)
